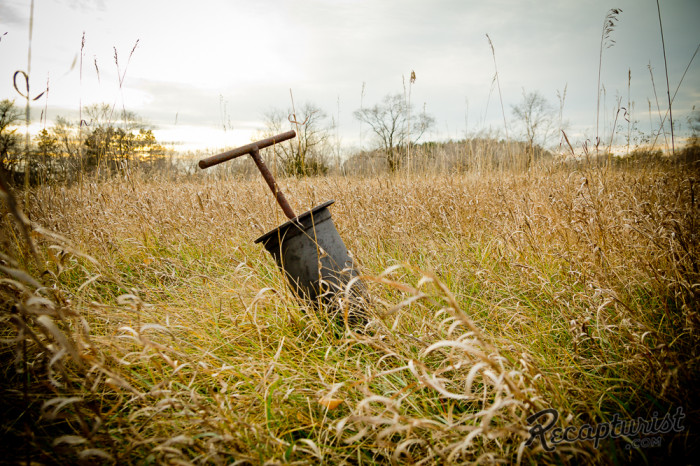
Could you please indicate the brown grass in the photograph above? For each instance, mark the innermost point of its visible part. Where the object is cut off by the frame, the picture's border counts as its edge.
(497, 295)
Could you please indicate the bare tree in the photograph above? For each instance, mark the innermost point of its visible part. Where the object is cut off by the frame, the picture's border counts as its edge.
(536, 115)
(114, 141)
(307, 153)
(67, 136)
(388, 121)
(694, 123)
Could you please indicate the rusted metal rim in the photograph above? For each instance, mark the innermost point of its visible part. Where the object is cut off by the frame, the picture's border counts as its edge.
(297, 225)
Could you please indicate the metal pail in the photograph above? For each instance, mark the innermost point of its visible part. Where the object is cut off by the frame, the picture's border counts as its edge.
(311, 253)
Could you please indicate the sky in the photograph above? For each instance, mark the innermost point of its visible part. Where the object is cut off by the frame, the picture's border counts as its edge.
(204, 73)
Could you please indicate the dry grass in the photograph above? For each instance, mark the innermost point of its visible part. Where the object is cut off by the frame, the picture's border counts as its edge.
(497, 295)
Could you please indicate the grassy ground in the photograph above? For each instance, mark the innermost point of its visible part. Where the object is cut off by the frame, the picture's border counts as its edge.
(160, 333)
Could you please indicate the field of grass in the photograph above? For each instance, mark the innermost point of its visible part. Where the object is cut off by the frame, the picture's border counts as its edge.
(147, 326)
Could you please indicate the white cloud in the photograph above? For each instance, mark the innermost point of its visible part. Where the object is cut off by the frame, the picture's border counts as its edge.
(192, 58)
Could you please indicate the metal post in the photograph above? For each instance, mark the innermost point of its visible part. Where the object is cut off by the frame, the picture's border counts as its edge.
(281, 200)
(254, 150)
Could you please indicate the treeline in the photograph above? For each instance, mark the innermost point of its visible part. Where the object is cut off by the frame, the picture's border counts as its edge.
(109, 142)
(394, 131)
(105, 142)
(477, 154)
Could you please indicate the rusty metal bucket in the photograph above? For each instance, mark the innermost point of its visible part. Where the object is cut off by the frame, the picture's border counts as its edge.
(308, 248)
(315, 260)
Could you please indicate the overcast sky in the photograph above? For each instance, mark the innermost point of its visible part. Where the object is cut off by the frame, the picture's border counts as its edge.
(202, 65)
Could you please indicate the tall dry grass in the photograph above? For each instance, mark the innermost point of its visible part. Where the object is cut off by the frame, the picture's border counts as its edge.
(150, 328)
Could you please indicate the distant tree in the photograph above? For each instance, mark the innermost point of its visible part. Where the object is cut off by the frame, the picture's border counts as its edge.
(47, 145)
(112, 142)
(307, 153)
(146, 147)
(66, 137)
(47, 152)
(536, 115)
(388, 121)
(692, 148)
(10, 141)
(694, 123)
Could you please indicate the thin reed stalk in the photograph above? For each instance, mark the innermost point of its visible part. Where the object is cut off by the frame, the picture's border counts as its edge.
(606, 41)
(668, 87)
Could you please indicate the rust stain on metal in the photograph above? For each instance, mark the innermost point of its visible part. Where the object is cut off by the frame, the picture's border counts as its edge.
(270, 180)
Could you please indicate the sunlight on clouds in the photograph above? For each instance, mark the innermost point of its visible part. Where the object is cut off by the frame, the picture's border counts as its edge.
(192, 59)
(220, 48)
(203, 138)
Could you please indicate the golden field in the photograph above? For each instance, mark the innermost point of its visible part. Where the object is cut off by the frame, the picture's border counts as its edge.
(147, 326)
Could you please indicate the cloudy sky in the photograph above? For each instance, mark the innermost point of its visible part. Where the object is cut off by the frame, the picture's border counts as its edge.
(206, 72)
